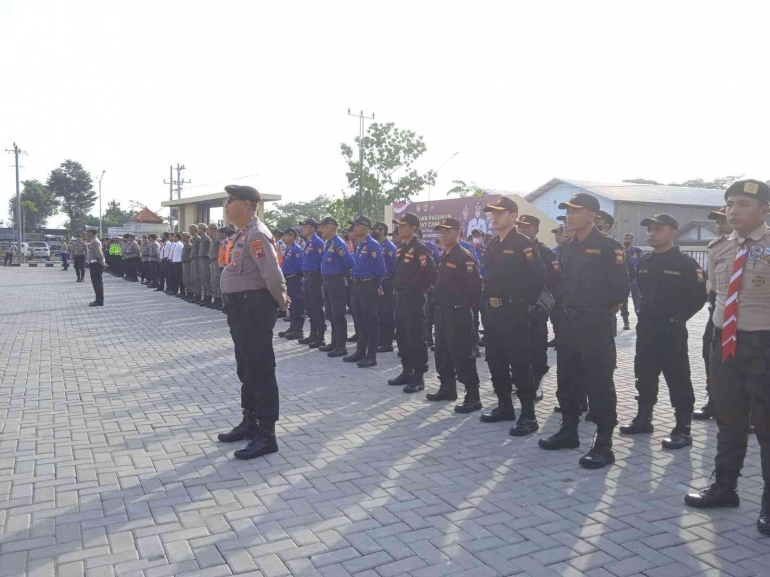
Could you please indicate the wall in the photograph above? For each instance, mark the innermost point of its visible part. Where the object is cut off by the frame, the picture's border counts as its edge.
(629, 215)
(549, 201)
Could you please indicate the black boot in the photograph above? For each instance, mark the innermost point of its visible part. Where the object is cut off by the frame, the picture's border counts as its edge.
(472, 400)
(565, 438)
(317, 342)
(359, 355)
(642, 422)
(680, 436)
(309, 339)
(443, 394)
(723, 493)
(416, 384)
(763, 523)
(282, 334)
(292, 335)
(339, 351)
(263, 443)
(401, 379)
(504, 410)
(246, 429)
(385, 349)
(353, 339)
(601, 453)
(328, 348)
(527, 423)
(370, 360)
(705, 413)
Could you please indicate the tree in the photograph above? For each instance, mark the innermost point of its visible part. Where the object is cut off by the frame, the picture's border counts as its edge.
(41, 198)
(114, 215)
(717, 183)
(292, 213)
(642, 181)
(72, 184)
(387, 150)
(465, 190)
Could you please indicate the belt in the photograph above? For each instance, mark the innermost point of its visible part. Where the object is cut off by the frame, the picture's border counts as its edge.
(361, 279)
(291, 275)
(662, 320)
(309, 272)
(450, 307)
(93, 260)
(586, 312)
(243, 295)
(497, 302)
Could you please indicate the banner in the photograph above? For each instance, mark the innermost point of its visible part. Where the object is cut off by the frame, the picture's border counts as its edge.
(469, 211)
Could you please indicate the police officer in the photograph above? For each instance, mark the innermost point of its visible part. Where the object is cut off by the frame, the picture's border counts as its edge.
(96, 264)
(254, 289)
(311, 270)
(673, 289)
(385, 301)
(415, 275)
(740, 350)
(194, 288)
(368, 272)
(724, 229)
(204, 267)
(186, 286)
(335, 267)
(436, 254)
(515, 279)
(457, 290)
(131, 258)
(593, 283)
(292, 272)
(79, 257)
(214, 275)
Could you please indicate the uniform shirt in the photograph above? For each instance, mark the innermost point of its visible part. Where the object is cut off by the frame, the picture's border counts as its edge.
(434, 252)
(254, 263)
(754, 293)
(514, 268)
(154, 251)
(205, 246)
(94, 252)
(292, 260)
(633, 256)
(593, 272)
(336, 258)
(195, 242)
(389, 254)
(78, 248)
(459, 280)
(551, 263)
(64, 249)
(415, 267)
(176, 251)
(672, 285)
(166, 250)
(214, 248)
(145, 252)
(481, 258)
(131, 250)
(186, 251)
(368, 260)
(314, 249)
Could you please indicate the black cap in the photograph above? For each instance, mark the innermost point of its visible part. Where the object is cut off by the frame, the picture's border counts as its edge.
(477, 230)
(243, 192)
(582, 200)
(448, 223)
(364, 220)
(275, 231)
(715, 214)
(292, 231)
(749, 187)
(310, 222)
(527, 219)
(661, 218)
(561, 218)
(226, 229)
(503, 203)
(380, 224)
(560, 229)
(606, 216)
(330, 220)
(408, 218)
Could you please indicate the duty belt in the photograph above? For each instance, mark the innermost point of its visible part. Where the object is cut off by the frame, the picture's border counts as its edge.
(497, 302)
(290, 275)
(361, 279)
(586, 312)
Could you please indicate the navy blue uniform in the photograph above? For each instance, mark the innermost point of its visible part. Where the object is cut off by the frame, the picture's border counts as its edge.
(386, 302)
(311, 269)
(480, 253)
(368, 272)
(292, 272)
(336, 263)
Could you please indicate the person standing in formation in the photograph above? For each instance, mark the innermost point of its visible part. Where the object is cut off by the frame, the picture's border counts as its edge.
(385, 302)
(217, 236)
(186, 286)
(313, 296)
(131, 257)
(164, 265)
(194, 286)
(633, 254)
(79, 257)
(292, 272)
(175, 282)
(96, 265)
(204, 267)
(64, 253)
(336, 264)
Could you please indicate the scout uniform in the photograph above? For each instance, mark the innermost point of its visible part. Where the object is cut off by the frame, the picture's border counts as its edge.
(214, 270)
(204, 266)
(195, 274)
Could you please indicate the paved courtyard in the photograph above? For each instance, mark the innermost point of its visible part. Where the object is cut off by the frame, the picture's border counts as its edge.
(109, 463)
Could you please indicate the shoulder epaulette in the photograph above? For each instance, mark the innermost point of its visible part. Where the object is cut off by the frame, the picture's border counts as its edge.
(716, 241)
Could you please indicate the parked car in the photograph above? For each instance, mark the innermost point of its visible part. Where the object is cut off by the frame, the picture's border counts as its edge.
(39, 250)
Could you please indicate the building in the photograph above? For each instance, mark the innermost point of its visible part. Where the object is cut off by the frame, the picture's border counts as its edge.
(629, 203)
(142, 223)
(197, 209)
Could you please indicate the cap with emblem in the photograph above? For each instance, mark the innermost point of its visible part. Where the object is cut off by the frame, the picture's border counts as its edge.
(606, 217)
(582, 200)
(527, 219)
(662, 218)
(310, 222)
(363, 220)
(715, 214)
(243, 192)
(408, 218)
(750, 187)
(330, 220)
(448, 224)
(503, 203)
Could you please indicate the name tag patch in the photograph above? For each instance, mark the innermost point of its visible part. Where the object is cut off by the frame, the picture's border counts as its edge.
(672, 272)
(508, 251)
(451, 265)
(593, 251)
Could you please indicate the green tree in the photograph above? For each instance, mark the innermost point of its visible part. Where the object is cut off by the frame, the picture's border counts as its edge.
(717, 183)
(642, 181)
(388, 172)
(73, 186)
(464, 190)
(113, 215)
(42, 199)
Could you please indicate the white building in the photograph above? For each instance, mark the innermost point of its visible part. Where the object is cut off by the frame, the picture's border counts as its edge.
(142, 223)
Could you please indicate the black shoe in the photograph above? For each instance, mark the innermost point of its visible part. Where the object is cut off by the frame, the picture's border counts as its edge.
(306, 340)
(642, 422)
(327, 348)
(705, 413)
(476, 352)
(416, 384)
(432, 347)
(246, 429)
(524, 426)
(287, 319)
(316, 343)
(468, 406)
(282, 334)
(262, 444)
(385, 349)
(338, 352)
(552, 344)
(353, 339)
(601, 453)
(565, 438)
(160, 290)
(626, 327)
(763, 523)
(499, 413)
(442, 396)
(355, 357)
(482, 342)
(557, 409)
(401, 379)
(217, 304)
(290, 336)
(717, 495)
(680, 437)
(366, 363)
(95, 304)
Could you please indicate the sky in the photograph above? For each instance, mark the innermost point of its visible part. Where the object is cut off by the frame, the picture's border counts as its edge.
(257, 92)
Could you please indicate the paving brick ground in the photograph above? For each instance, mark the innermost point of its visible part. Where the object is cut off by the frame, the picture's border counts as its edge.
(109, 463)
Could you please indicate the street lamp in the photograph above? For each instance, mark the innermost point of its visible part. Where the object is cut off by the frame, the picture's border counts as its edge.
(440, 167)
(100, 203)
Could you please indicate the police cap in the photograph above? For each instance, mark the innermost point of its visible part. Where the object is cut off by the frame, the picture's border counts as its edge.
(750, 187)
(225, 230)
(290, 230)
(243, 192)
(561, 218)
(606, 216)
(408, 218)
(560, 229)
(448, 224)
(310, 222)
(503, 203)
(715, 214)
(330, 220)
(528, 219)
(364, 220)
(582, 200)
(380, 224)
(662, 218)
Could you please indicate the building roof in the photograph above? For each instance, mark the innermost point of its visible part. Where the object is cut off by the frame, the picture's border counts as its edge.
(642, 193)
(146, 215)
(214, 198)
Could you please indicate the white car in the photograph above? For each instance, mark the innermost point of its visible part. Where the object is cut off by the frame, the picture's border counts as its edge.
(39, 250)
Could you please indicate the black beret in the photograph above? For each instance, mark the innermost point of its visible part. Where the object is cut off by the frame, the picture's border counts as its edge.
(243, 192)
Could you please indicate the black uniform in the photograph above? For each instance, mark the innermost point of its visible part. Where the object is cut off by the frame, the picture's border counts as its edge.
(673, 289)
(538, 319)
(457, 290)
(515, 278)
(415, 273)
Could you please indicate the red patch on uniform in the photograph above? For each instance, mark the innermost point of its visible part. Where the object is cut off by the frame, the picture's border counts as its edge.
(619, 256)
(256, 246)
(528, 254)
(699, 272)
(423, 260)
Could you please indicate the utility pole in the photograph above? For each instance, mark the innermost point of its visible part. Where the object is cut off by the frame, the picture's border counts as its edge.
(16, 152)
(361, 117)
(100, 203)
(178, 183)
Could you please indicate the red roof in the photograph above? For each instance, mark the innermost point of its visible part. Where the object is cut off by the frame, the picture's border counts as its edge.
(146, 215)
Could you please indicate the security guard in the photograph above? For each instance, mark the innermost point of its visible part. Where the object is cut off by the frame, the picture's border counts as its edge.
(187, 275)
(673, 289)
(740, 349)
(436, 254)
(368, 272)
(254, 289)
(214, 274)
(415, 275)
(204, 265)
(515, 279)
(313, 296)
(480, 250)
(724, 229)
(194, 288)
(292, 272)
(335, 267)
(385, 301)
(556, 312)
(529, 226)
(96, 264)
(593, 283)
(457, 290)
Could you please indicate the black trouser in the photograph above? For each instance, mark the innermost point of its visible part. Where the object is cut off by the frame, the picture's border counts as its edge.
(410, 330)
(314, 302)
(176, 275)
(538, 342)
(365, 306)
(661, 347)
(251, 317)
(162, 274)
(454, 349)
(708, 334)
(80, 265)
(386, 308)
(635, 297)
(428, 330)
(297, 309)
(506, 337)
(335, 298)
(65, 260)
(116, 265)
(585, 363)
(8, 258)
(556, 314)
(95, 269)
(741, 391)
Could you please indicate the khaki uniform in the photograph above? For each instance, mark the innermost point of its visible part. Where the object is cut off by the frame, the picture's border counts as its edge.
(196, 273)
(216, 272)
(204, 264)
